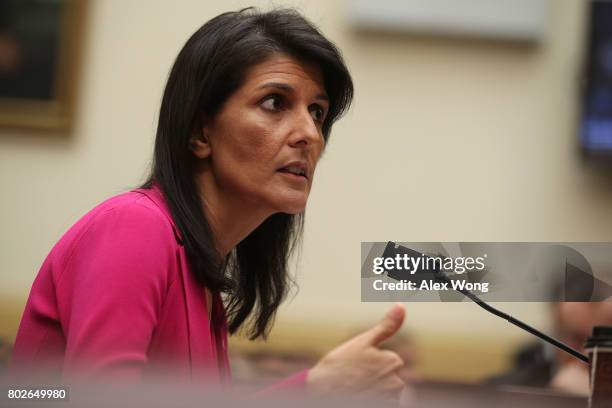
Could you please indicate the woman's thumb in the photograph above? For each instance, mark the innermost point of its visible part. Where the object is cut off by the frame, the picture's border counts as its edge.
(387, 327)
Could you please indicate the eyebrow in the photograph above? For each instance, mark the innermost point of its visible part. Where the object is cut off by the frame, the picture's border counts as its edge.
(289, 88)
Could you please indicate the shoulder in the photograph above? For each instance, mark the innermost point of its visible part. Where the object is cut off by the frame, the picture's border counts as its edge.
(123, 252)
(128, 228)
(132, 213)
(131, 217)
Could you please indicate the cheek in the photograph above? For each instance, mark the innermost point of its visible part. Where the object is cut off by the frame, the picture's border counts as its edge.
(247, 151)
(317, 153)
(256, 148)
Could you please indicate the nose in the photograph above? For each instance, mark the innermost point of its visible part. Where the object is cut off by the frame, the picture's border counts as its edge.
(305, 132)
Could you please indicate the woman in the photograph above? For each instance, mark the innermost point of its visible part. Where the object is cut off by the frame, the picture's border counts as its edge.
(134, 288)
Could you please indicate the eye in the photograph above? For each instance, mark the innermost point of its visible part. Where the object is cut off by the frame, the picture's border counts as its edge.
(318, 113)
(273, 102)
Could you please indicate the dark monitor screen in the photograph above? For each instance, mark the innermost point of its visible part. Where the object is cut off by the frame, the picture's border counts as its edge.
(596, 132)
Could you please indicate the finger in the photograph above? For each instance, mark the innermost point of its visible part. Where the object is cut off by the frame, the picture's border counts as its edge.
(391, 385)
(409, 375)
(387, 327)
(382, 363)
(407, 397)
(389, 362)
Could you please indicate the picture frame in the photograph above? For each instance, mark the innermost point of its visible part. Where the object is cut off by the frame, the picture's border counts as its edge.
(40, 42)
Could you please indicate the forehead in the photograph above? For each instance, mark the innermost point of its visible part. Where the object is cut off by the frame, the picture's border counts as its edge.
(285, 68)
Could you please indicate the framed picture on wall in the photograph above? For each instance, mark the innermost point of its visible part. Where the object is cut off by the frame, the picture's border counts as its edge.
(39, 42)
(596, 127)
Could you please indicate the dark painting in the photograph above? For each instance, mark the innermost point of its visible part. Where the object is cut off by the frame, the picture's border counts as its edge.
(38, 61)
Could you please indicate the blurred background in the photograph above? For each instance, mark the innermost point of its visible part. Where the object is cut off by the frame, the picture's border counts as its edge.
(466, 126)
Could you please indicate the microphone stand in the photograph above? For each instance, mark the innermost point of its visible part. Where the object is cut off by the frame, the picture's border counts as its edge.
(516, 322)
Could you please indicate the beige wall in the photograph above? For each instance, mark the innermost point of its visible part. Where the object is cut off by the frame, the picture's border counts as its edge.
(448, 140)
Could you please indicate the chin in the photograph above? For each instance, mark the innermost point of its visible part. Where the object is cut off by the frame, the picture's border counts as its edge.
(292, 206)
(288, 201)
(294, 211)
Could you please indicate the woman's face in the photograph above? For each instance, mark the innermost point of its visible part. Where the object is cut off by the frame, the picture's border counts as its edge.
(265, 142)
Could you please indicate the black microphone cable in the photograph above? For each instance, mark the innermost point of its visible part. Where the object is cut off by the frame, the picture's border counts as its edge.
(516, 322)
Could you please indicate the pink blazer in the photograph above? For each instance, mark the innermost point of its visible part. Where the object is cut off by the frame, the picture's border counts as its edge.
(116, 298)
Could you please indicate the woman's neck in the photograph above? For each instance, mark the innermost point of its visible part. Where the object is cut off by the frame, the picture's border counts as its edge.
(231, 219)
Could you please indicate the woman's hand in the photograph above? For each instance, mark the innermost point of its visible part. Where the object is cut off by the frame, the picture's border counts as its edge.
(359, 367)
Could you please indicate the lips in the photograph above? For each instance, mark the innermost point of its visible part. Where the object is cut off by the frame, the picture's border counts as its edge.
(299, 169)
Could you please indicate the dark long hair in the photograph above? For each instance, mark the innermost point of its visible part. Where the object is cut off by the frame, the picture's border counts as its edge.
(210, 67)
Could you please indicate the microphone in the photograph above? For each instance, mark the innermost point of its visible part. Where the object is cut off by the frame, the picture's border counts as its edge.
(441, 276)
(516, 321)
